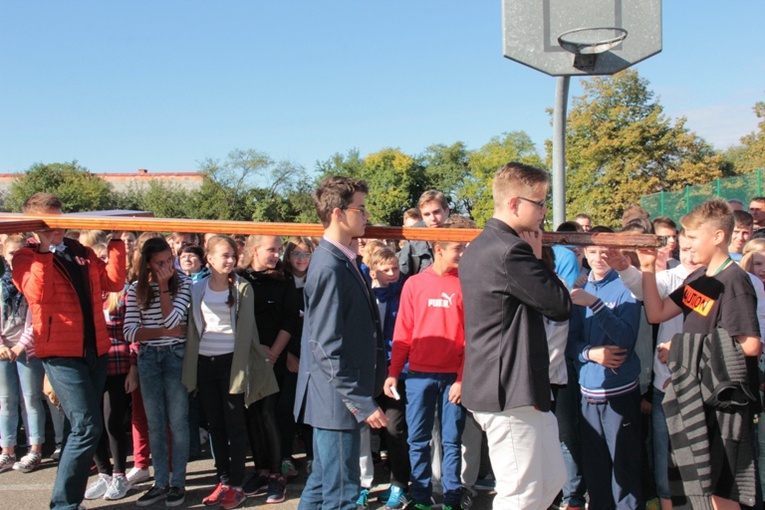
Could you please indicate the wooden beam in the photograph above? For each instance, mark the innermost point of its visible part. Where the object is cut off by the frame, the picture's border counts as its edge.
(11, 223)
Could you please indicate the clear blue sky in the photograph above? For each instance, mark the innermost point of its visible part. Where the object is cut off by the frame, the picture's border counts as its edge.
(165, 84)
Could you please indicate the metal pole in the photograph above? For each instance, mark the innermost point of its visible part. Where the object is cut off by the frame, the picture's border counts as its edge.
(559, 150)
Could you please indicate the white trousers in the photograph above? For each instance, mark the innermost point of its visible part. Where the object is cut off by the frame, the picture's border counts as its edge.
(526, 457)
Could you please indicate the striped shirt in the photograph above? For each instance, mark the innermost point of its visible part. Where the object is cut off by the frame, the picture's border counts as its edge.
(218, 336)
(151, 317)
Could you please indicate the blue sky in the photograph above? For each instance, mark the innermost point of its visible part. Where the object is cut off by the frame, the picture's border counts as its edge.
(165, 84)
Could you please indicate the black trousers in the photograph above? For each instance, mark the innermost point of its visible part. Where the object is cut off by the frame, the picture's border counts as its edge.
(396, 434)
(114, 438)
(225, 414)
(263, 430)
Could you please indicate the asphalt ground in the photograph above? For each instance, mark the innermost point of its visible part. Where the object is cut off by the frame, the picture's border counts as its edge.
(31, 491)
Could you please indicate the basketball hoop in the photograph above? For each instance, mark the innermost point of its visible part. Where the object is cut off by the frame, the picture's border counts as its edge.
(587, 43)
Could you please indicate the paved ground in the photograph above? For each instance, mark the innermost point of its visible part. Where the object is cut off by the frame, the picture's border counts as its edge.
(31, 491)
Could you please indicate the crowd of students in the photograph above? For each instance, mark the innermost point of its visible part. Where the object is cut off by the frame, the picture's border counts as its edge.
(598, 377)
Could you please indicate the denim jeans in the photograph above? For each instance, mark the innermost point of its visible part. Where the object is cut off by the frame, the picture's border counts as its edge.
(660, 446)
(334, 482)
(427, 393)
(166, 402)
(79, 385)
(21, 379)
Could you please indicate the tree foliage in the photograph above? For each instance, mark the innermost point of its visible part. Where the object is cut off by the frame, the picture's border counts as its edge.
(620, 145)
(78, 189)
(750, 154)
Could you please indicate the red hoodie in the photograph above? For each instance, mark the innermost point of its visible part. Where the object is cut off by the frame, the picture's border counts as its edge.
(430, 327)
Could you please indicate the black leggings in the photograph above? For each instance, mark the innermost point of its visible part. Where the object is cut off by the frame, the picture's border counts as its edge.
(114, 440)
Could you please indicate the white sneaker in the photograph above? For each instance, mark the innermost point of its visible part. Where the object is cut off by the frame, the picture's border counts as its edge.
(98, 488)
(137, 475)
(118, 488)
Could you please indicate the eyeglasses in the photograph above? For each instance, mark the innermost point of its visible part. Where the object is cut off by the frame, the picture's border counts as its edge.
(300, 256)
(356, 209)
(541, 205)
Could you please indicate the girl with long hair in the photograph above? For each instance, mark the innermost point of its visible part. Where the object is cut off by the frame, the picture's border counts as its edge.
(155, 317)
(225, 363)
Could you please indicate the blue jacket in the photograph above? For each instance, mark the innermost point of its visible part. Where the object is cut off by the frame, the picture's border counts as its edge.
(342, 356)
(613, 320)
(391, 296)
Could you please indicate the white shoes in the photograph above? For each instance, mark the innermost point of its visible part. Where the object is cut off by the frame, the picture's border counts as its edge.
(98, 488)
(137, 475)
(118, 488)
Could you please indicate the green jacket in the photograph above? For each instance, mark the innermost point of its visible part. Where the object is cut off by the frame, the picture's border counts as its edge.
(251, 374)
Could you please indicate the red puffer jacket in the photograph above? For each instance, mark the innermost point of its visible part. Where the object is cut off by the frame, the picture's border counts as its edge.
(57, 319)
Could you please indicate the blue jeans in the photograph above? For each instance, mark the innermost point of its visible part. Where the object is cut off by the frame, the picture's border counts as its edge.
(334, 482)
(660, 446)
(79, 385)
(21, 379)
(426, 392)
(166, 401)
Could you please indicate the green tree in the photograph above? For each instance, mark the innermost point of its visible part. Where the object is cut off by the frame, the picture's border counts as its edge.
(78, 189)
(395, 182)
(750, 154)
(620, 145)
(445, 168)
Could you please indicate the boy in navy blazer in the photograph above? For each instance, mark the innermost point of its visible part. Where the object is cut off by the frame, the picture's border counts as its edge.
(342, 358)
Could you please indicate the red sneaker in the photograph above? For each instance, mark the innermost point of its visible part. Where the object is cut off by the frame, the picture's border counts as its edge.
(217, 495)
(233, 498)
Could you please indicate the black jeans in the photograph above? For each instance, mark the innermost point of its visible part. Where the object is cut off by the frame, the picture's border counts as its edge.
(225, 414)
(396, 436)
(263, 430)
(114, 439)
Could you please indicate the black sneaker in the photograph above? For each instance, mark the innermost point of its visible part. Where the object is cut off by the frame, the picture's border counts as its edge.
(175, 496)
(257, 485)
(152, 495)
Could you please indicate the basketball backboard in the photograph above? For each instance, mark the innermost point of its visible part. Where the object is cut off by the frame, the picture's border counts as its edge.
(628, 31)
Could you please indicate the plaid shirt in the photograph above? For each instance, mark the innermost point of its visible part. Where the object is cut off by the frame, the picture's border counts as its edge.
(121, 356)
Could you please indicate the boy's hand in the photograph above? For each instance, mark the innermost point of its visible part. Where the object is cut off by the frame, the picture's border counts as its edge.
(389, 387)
(647, 258)
(534, 238)
(49, 392)
(293, 363)
(610, 356)
(455, 393)
(582, 297)
(377, 420)
(6, 353)
(580, 282)
(662, 352)
(616, 259)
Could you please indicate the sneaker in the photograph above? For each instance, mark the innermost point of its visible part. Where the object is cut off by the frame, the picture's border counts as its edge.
(98, 488)
(137, 475)
(152, 495)
(28, 462)
(56, 455)
(416, 506)
(216, 496)
(257, 485)
(6, 462)
(277, 489)
(362, 503)
(233, 498)
(395, 498)
(466, 502)
(175, 496)
(118, 489)
(288, 469)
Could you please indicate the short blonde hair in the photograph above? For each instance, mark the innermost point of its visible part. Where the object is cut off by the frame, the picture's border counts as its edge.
(515, 178)
(370, 248)
(432, 195)
(757, 244)
(382, 256)
(715, 213)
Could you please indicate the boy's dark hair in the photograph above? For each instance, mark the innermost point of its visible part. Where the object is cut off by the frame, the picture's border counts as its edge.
(336, 192)
(455, 221)
(664, 222)
(715, 213)
(743, 219)
(432, 195)
(633, 211)
(570, 226)
(601, 229)
(39, 202)
(758, 199)
(639, 225)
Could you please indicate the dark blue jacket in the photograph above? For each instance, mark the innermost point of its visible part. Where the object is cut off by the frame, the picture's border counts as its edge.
(342, 356)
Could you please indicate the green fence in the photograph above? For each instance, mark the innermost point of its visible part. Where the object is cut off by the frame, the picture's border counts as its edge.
(677, 203)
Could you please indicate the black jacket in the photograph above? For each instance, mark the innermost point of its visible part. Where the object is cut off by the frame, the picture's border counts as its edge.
(506, 292)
